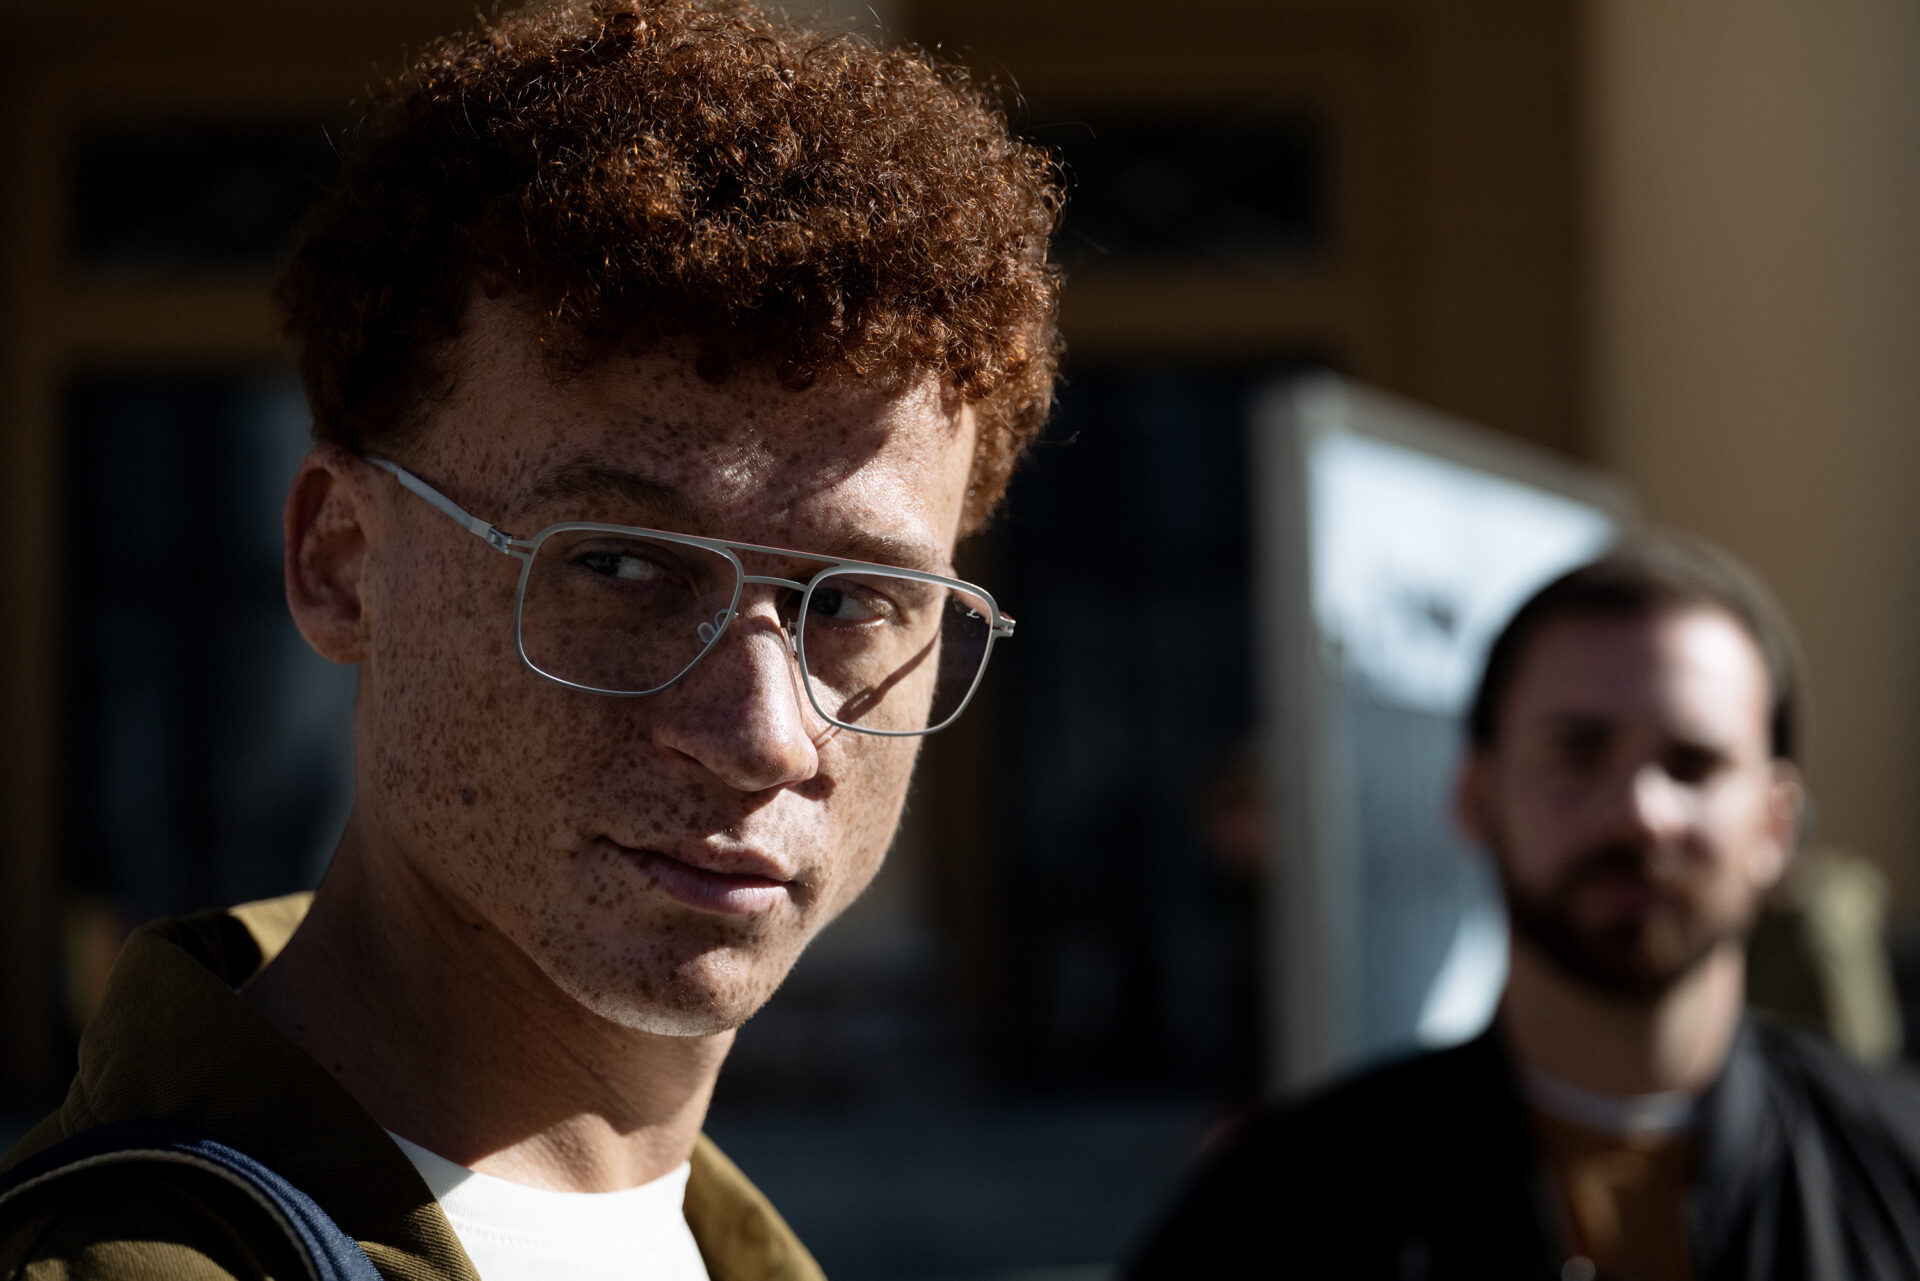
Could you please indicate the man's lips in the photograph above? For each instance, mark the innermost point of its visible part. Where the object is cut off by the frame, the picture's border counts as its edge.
(729, 882)
(1630, 892)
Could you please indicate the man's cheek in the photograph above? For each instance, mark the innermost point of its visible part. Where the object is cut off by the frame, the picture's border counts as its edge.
(875, 791)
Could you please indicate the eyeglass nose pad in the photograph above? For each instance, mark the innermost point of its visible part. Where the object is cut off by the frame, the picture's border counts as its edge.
(791, 626)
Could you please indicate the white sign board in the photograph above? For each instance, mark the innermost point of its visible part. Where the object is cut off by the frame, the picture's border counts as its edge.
(1394, 544)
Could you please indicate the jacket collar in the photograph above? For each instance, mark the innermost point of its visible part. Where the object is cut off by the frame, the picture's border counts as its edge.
(172, 1041)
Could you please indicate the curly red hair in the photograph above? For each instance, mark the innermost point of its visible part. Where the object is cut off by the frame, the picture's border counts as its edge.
(630, 170)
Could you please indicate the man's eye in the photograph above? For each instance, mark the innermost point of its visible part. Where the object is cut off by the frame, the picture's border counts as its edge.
(1691, 765)
(844, 606)
(622, 565)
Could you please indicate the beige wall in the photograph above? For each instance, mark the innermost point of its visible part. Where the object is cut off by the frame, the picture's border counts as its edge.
(1754, 318)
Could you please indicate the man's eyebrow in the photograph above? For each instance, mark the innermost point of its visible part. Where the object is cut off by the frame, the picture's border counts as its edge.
(1569, 721)
(670, 509)
(883, 549)
(664, 503)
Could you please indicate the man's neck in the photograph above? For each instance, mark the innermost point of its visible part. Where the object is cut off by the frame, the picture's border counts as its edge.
(1618, 1046)
(451, 1037)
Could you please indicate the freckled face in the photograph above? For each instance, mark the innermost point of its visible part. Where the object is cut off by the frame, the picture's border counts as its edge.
(1631, 800)
(662, 859)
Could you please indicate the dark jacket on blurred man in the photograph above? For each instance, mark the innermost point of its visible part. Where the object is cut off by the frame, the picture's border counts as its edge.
(1804, 1165)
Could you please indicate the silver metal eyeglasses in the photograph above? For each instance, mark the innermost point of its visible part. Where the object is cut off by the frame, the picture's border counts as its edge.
(623, 611)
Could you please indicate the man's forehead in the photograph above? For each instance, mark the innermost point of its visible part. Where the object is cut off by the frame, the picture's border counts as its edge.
(864, 471)
(657, 403)
(1696, 665)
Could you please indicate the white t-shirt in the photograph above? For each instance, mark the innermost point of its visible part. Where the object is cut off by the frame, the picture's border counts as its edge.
(518, 1233)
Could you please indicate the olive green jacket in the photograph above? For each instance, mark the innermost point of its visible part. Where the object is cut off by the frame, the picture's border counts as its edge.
(172, 1042)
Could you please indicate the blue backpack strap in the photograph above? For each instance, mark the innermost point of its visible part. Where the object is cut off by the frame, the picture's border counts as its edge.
(330, 1254)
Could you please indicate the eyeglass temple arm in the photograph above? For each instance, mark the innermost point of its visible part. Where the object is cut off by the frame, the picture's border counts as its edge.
(459, 515)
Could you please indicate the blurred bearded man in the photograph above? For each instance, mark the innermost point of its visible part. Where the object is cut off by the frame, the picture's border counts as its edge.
(1631, 772)
(659, 354)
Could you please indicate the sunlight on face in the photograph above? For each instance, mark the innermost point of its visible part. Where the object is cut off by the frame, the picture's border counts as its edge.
(663, 859)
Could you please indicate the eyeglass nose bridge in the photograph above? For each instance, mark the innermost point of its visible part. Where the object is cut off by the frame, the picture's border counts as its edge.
(710, 632)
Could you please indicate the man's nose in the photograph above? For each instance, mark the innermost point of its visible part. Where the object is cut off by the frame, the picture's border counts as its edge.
(741, 712)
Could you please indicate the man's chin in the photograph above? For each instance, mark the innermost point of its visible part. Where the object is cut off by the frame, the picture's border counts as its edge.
(1640, 964)
(1637, 979)
(683, 1024)
(678, 1014)
(691, 1000)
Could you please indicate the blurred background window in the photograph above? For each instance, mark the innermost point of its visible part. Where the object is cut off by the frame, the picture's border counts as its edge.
(1126, 541)
(1245, 188)
(193, 195)
(209, 749)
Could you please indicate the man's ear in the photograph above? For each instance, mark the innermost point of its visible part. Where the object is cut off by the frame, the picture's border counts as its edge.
(1786, 808)
(326, 523)
(1470, 798)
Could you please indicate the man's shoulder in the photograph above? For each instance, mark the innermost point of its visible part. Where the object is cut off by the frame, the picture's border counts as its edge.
(1837, 1091)
(1415, 1099)
(1380, 1127)
(140, 1225)
(172, 1047)
(1418, 1164)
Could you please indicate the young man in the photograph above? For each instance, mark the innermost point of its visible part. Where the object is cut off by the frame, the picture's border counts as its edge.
(659, 354)
(1631, 771)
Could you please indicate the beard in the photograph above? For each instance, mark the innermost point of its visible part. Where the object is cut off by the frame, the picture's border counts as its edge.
(1637, 950)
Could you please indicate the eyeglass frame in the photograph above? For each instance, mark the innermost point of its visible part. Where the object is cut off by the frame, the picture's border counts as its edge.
(1000, 625)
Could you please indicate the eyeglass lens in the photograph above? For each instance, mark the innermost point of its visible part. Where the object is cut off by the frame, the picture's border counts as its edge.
(890, 653)
(623, 613)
